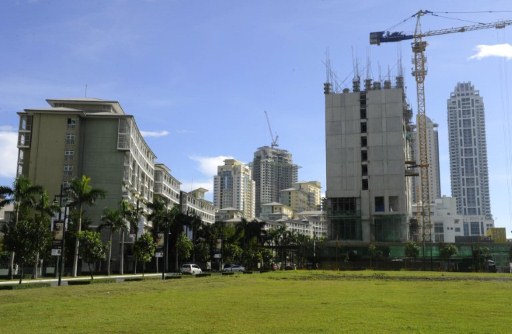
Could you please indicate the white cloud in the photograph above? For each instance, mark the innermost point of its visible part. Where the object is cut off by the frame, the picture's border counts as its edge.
(208, 165)
(496, 50)
(148, 134)
(8, 151)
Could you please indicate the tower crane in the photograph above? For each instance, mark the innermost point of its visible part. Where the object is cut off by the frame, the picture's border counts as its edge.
(419, 73)
(274, 139)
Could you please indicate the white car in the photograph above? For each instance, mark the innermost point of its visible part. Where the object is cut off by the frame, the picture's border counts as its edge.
(233, 268)
(191, 268)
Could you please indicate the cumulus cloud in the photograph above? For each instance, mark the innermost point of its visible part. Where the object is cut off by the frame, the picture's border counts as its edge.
(208, 165)
(148, 134)
(8, 151)
(496, 50)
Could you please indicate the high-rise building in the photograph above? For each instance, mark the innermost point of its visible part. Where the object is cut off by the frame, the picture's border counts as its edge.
(468, 158)
(273, 170)
(303, 196)
(234, 188)
(85, 136)
(368, 146)
(434, 170)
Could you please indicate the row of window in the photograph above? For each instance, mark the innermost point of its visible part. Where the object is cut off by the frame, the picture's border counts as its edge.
(364, 141)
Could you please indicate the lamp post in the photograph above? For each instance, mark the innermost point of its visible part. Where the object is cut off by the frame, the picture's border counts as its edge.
(61, 257)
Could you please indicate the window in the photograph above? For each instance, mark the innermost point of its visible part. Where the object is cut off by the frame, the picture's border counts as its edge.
(475, 228)
(363, 127)
(70, 139)
(438, 228)
(364, 141)
(394, 204)
(69, 155)
(364, 170)
(365, 184)
(379, 204)
(364, 156)
(71, 123)
(68, 170)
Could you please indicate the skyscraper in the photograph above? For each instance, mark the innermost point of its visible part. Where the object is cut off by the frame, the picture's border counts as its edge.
(367, 148)
(468, 158)
(434, 171)
(273, 170)
(234, 188)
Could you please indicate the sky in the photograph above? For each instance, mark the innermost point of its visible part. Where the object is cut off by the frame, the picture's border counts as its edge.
(199, 75)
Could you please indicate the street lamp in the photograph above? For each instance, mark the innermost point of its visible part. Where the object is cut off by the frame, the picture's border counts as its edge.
(60, 238)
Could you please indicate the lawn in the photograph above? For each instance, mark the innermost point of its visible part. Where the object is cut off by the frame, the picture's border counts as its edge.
(275, 302)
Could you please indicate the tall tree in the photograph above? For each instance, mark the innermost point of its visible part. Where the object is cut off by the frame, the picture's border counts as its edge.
(82, 193)
(129, 216)
(23, 195)
(45, 209)
(113, 221)
(163, 218)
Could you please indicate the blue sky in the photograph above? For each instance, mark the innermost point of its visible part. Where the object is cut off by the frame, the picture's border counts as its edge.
(198, 75)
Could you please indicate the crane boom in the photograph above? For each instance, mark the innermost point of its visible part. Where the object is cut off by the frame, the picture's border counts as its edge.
(387, 37)
(274, 140)
(419, 73)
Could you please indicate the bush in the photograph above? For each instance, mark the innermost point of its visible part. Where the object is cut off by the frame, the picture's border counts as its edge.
(203, 275)
(79, 282)
(24, 286)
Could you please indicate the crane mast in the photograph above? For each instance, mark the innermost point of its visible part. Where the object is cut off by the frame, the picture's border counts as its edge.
(419, 59)
(419, 73)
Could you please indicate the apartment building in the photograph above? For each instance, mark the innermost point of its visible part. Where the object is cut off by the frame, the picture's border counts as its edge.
(85, 136)
(235, 188)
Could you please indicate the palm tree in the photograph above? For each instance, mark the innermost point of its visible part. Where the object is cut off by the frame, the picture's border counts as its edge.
(163, 219)
(130, 218)
(112, 220)
(23, 195)
(81, 192)
(45, 210)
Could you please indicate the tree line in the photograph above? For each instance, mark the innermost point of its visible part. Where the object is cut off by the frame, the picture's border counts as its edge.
(174, 235)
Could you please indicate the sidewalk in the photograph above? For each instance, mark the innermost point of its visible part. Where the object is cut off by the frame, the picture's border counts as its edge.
(65, 280)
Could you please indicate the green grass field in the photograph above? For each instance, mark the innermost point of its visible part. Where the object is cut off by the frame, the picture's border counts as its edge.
(274, 302)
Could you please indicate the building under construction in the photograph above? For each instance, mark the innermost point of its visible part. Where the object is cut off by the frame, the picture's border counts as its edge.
(272, 170)
(368, 160)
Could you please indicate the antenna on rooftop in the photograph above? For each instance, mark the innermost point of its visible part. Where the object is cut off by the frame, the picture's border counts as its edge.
(85, 95)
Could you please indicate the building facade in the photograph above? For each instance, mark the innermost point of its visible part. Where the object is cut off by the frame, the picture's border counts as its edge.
(234, 188)
(166, 185)
(303, 196)
(273, 170)
(93, 137)
(445, 223)
(368, 145)
(468, 158)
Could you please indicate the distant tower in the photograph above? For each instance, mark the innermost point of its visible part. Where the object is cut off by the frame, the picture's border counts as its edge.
(273, 170)
(434, 171)
(234, 188)
(468, 158)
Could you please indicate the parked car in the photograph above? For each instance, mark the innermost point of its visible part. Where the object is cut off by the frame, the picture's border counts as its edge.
(190, 268)
(233, 268)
